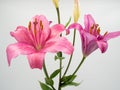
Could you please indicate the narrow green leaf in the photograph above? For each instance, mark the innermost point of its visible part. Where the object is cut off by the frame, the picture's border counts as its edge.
(49, 81)
(70, 84)
(74, 84)
(68, 22)
(44, 86)
(67, 79)
(55, 73)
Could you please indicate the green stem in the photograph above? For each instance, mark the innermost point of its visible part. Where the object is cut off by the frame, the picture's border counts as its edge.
(46, 73)
(79, 65)
(45, 70)
(58, 15)
(74, 36)
(59, 86)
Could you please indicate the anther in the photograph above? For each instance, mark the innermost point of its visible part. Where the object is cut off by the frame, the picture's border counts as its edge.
(105, 33)
(29, 26)
(98, 30)
(35, 23)
(41, 25)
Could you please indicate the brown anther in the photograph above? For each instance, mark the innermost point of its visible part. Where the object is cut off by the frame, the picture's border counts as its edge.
(91, 28)
(35, 24)
(29, 26)
(98, 30)
(41, 25)
(105, 33)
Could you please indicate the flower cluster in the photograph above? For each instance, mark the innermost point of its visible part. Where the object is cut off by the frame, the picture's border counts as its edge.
(41, 37)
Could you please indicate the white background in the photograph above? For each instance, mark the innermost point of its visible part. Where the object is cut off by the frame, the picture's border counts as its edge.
(99, 72)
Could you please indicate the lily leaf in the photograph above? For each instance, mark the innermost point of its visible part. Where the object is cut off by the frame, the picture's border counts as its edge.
(49, 81)
(70, 84)
(69, 78)
(44, 86)
(55, 73)
(74, 84)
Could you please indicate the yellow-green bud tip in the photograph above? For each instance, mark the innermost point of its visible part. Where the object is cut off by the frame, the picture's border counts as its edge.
(76, 12)
(55, 2)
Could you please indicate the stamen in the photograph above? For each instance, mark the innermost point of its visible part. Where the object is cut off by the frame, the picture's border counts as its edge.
(29, 26)
(98, 30)
(41, 25)
(91, 29)
(35, 24)
(105, 33)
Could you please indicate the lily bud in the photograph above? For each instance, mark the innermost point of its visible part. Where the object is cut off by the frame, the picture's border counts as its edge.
(55, 2)
(76, 12)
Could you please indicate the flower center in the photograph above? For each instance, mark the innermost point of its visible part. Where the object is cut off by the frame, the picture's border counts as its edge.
(95, 30)
(35, 32)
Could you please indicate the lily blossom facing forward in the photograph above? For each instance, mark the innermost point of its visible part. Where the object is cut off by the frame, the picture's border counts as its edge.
(37, 39)
(91, 37)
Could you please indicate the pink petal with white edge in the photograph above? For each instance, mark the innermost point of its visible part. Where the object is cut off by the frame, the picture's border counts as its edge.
(16, 49)
(57, 29)
(59, 44)
(36, 60)
(111, 35)
(21, 35)
(102, 46)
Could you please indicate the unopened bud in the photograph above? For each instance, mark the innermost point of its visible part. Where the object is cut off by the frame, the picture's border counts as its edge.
(76, 12)
(55, 2)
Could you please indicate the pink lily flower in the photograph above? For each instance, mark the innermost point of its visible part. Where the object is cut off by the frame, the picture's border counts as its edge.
(91, 37)
(36, 40)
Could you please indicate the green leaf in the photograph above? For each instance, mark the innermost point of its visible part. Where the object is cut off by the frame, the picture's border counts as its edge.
(68, 22)
(44, 86)
(49, 81)
(67, 79)
(55, 73)
(70, 84)
(74, 84)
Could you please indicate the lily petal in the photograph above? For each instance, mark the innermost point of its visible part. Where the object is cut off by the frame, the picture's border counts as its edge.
(111, 35)
(102, 46)
(21, 35)
(16, 49)
(57, 29)
(57, 45)
(76, 26)
(88, 22)
(89, 43)
(36, 60)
